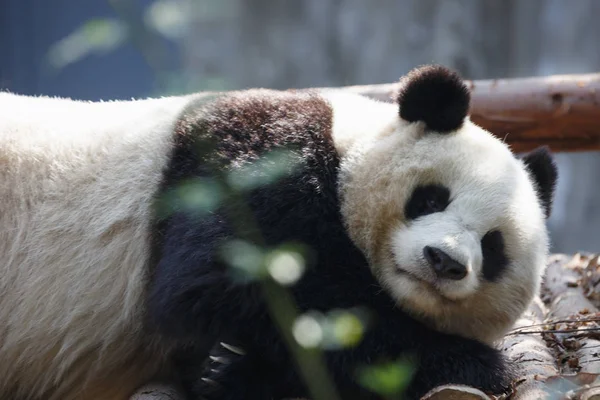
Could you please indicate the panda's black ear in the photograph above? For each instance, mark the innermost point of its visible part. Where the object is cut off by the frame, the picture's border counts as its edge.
(542, 168)
(435, 95)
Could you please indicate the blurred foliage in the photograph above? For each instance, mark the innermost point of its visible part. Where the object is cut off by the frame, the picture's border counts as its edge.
(275, 165)
(389, 380)
(245, 257)
(197, 196)
(150, 30)
(286, 265)
(94, 36)
(168, 18)
(334, 330)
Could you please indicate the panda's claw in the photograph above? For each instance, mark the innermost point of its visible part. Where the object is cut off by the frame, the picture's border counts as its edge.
(209, 381)
(233, 349)
(218, 360)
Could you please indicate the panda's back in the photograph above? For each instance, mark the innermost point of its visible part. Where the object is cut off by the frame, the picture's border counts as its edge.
(76, 183)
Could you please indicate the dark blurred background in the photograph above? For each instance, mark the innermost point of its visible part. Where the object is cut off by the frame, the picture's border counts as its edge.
(121, 49)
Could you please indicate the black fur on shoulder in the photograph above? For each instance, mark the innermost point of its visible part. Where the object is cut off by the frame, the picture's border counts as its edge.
(195, 302)
(436, 96)
(543, 170)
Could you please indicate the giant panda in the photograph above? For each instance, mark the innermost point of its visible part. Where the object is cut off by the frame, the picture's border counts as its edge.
(111, 278)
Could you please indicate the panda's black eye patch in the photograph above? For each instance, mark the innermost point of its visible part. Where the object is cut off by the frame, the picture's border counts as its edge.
(494, 256)
(427, 200)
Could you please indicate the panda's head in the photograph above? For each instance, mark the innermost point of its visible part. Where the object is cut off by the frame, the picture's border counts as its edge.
(452, 222)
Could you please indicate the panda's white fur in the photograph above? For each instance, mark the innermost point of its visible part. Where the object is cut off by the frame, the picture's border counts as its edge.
(492, 190)
(76, 184)
(77, 181)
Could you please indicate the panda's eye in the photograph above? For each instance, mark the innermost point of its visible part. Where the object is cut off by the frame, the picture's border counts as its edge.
(432, 205)
(494, 255)
(427, 200)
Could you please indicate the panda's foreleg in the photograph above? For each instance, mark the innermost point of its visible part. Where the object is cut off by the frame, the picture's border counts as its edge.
(192, 295)
(455, 360)
(195, 302)
(223, 374)
(235, 375)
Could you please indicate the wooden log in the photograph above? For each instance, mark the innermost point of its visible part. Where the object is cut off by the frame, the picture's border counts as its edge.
(157, 391)
(574, 334)
(562, 111)
(570, 301)
(455, 392)
(529, 352)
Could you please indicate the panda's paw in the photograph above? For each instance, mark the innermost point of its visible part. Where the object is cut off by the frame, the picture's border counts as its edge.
(208, 389)
(219, 379)
(234, 373)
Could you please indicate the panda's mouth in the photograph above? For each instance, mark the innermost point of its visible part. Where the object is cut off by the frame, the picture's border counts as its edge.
(414, 277)
(430, 286)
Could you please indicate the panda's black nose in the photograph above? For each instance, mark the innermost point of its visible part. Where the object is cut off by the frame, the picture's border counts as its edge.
(443, 265)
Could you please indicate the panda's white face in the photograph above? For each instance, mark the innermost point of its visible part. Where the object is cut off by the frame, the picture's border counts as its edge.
(450, 222)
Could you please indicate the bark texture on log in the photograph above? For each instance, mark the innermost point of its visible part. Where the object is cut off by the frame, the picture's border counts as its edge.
(455, 392)
(562, 112)
(157, 392)
(530, 353)
(570, 300)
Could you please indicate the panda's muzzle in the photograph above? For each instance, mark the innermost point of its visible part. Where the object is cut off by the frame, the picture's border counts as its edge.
(444, 266)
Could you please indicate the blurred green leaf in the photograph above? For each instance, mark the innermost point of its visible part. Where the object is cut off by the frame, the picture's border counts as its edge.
(389, 379)
(245, 257)
(273, 166)
(335, 329)
(199, 195)
(170, 18)
(338, 328)
(285, 266)
(308, 330)
(348, 329)
(94, 36)
(196, 196)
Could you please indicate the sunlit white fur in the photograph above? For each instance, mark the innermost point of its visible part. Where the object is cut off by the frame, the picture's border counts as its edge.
(357, 117)
(76, 182)
(490, 189)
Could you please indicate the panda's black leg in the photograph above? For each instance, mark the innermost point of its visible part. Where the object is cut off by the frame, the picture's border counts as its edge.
(194, 300)
(234, 374)
(461, 361)
(193, 294)
(188, 363)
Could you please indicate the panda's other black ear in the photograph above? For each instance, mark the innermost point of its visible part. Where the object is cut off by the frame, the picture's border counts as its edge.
(435, 95)
(541, 166)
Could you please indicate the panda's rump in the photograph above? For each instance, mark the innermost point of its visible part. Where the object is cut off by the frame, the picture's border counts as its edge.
(76, 184)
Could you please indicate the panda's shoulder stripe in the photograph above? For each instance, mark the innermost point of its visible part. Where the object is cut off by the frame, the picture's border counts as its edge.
(242, 125)
(232, 129)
